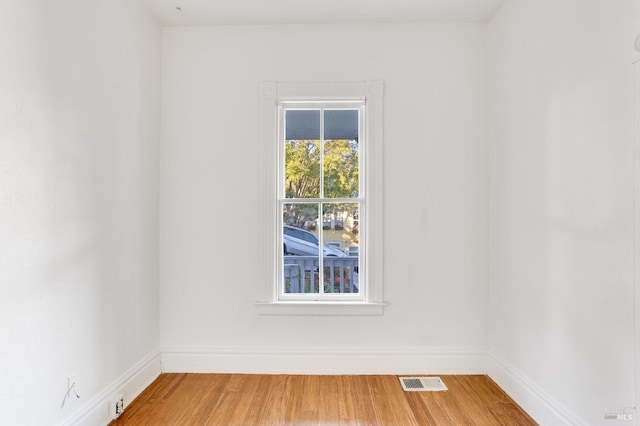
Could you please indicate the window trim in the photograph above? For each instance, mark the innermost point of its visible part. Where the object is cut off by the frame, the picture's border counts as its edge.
(271, 95)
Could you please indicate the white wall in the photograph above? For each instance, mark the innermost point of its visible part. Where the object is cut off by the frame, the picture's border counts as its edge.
(79, 130)
(561, 205)
(79, 120)
(436, 208)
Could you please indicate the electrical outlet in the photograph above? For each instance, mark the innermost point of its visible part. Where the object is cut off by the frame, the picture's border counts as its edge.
(118, 406)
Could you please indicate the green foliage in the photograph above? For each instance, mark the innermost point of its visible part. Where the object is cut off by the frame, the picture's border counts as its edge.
(302, 169)
(300, 215)
(340, 167)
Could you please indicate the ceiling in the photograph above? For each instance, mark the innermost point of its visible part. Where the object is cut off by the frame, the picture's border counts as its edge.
(251, 12)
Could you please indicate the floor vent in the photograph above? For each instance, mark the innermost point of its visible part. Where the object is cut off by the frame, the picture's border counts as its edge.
(422, 384)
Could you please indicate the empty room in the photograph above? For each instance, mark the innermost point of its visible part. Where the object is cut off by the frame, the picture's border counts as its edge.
(248, 212)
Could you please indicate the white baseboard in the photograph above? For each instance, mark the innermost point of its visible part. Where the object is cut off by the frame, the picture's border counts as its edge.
(324, 361)
(96, 411)
(544, 409)
(535, 401)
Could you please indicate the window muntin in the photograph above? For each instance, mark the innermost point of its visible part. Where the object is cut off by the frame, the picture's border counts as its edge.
(321, 201)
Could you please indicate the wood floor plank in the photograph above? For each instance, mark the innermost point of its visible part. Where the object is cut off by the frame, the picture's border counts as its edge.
(421, 411)
(146, 402)
(389, 401)
(211, 390)
(365, 413)
(510, 414)
(328, 400)
(248, 400)
(487, 390)
(498, 402)
(477, 411)
(346, 400)
(257, 403)
(227, 406)
(193, 400)
(294, 406)
(310, 401)
(274, 402)
(441, 407)
(145, 410)
(453, 407)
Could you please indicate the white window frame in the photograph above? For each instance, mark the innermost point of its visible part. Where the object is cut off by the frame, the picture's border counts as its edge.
(272, 95)
(322, 105)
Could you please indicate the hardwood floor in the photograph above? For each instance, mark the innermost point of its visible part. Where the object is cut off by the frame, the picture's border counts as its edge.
(237, 399)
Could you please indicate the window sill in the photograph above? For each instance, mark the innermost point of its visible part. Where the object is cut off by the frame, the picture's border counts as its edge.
(320, 308)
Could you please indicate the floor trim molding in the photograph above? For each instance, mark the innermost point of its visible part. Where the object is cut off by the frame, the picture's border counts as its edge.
(323, 360)
(538, 403)
(262, 360)
(96, 411)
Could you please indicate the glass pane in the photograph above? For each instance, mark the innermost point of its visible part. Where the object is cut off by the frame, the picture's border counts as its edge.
(341, 124)
(340, 225)
(302, 124)
(302, 154)
(341, 152)
(301, 264)
(302, 169)
(341, 171)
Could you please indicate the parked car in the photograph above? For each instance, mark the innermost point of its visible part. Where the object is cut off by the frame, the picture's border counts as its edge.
(326, 221)
(300, 242)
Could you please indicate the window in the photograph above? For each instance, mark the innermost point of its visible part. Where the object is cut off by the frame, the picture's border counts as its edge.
(323, 198)
(320, 198)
